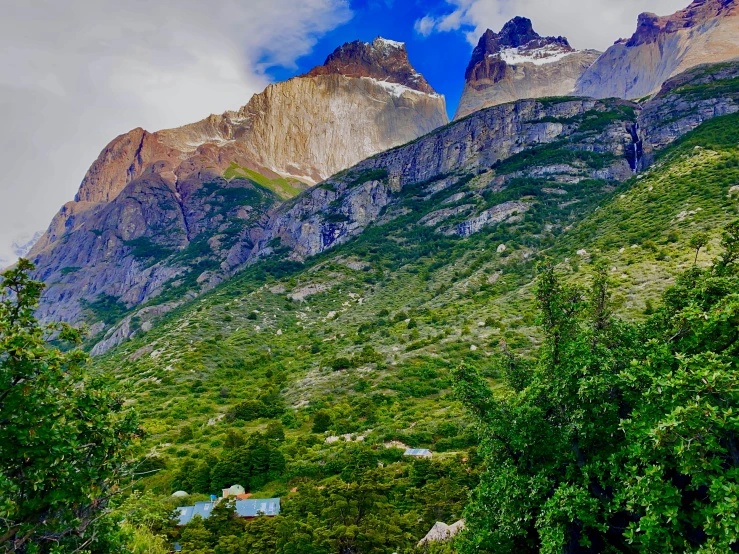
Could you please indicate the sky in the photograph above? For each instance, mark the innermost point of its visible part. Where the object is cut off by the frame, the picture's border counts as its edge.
(77, 73)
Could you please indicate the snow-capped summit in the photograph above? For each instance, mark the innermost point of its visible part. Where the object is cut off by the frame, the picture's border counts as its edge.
(382, 59)
(519, 63)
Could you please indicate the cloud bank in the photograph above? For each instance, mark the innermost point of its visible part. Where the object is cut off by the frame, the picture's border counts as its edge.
(75, 74)
(586, 23)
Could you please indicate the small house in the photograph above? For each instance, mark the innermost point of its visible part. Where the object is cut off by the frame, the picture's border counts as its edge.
(418, 452)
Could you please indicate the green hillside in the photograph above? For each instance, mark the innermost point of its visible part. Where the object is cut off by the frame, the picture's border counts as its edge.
(248, 382)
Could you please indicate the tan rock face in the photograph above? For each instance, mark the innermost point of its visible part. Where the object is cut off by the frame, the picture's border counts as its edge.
(517, 63)
(345, 120)
(366, 98)
(707, 31)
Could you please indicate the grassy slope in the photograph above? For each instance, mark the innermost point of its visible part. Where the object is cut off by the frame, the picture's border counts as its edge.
(284, 188)
(403, 304)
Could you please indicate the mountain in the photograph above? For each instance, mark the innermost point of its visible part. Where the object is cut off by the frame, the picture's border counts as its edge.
(707, 31)
(183, 205)
(336, 343)
(518, 63)
(20, 247)
(479, 173)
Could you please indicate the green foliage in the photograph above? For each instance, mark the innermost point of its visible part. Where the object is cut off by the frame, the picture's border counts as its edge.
(553, 153)
(145, 249)
(64, 435)
(249, 462)
(335, 218)
(269, 405)
(105, 308)
(698, 241)
(284, 188)
(367, 175)
(321, 421)
(622, 437)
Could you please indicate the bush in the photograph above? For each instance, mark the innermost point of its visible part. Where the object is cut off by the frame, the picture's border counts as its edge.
(339, 364)
(321, 421)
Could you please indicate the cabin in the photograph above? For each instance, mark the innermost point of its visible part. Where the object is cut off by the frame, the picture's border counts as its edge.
(187, 513)
(247, 509)
(418, 452)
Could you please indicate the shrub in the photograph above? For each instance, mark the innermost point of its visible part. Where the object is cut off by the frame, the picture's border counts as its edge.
(321, 421)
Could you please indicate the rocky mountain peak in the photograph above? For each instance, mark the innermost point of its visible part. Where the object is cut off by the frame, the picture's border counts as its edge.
(706, 31)
(516, 43)
(381, 59)
(650, 25)
(517, 32)
(520, 63)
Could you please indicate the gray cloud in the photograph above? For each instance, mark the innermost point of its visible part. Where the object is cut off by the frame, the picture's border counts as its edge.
(75, 74)
(586, 23)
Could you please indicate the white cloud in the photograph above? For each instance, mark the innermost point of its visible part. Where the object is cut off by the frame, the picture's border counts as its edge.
(425, 26)
(75, 74)
(586, 23)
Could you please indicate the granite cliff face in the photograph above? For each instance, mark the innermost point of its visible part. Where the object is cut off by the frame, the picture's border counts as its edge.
(181, 206)
(707, 31)
(518, 63)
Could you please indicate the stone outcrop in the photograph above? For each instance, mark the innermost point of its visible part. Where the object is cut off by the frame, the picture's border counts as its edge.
(518, 63)
(707, 31)
(156, 207)
(686, 101)
(497, 214)
(442, 532)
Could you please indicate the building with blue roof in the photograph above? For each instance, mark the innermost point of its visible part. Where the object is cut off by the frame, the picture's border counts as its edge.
(244, 508)
(258, 506)
(202, 509)
(185, 515)
(418, 452)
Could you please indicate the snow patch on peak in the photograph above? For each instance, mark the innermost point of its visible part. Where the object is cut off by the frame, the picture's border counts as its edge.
(396, 89)
(387, 42)
(538, 56)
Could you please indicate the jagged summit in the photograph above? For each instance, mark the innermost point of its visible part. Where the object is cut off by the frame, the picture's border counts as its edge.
(707, 31)
(381, 59)
(650, 25)
(519, 63)
(516, 43)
